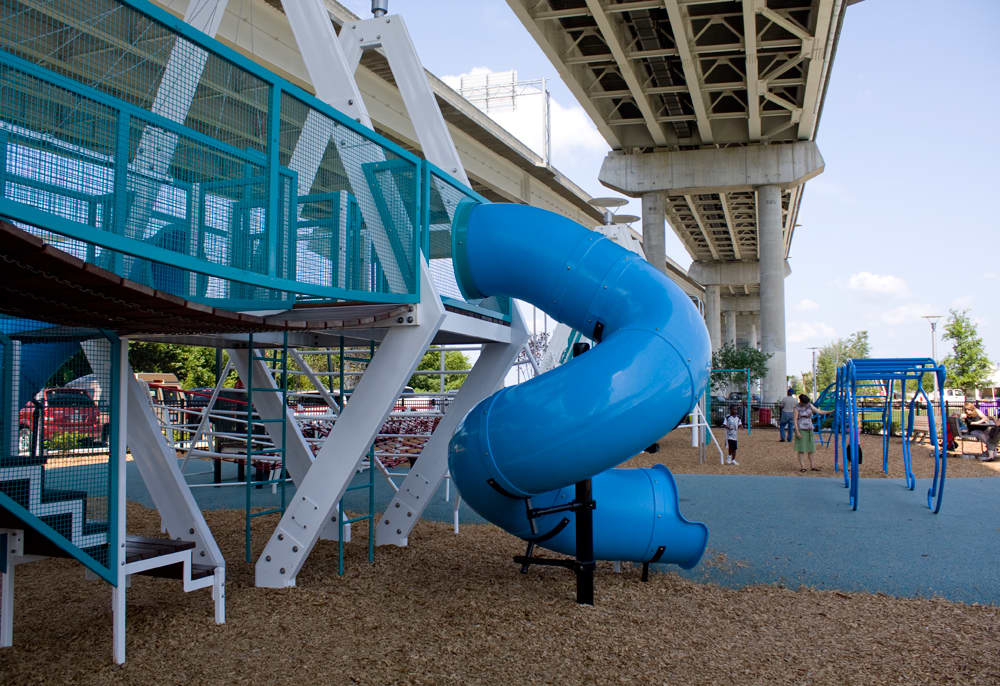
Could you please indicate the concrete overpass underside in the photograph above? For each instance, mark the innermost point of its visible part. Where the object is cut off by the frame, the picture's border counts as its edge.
(711, 109)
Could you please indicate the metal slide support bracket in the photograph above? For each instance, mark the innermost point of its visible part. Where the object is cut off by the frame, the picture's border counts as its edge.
(316, 498)
(425, 477)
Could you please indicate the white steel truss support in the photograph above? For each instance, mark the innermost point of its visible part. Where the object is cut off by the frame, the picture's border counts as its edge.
(430, 469)
(389, 33)
(316, 498)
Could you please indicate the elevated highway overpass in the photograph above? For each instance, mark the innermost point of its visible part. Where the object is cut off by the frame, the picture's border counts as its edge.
(711, 109)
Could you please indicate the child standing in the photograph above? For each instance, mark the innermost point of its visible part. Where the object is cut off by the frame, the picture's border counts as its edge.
(732, 424)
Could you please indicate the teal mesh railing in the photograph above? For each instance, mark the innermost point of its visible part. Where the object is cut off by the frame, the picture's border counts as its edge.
(57, 476)
(158, 153)
(442, 196)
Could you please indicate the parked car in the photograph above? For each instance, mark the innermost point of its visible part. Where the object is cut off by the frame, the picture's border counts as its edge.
(739, 398)
(57, 412)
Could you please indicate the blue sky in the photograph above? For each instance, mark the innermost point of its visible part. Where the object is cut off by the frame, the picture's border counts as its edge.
(898, 225)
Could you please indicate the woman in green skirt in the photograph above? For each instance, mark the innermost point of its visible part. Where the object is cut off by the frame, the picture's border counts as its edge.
(803, 422)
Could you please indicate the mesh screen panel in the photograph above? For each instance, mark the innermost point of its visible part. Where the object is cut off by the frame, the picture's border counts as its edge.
(445, 197)
(58, 404)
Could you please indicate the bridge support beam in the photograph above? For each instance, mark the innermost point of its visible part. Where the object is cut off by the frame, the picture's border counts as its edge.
(729, 327)
(653, 230)
(772, 289)
(713, 314)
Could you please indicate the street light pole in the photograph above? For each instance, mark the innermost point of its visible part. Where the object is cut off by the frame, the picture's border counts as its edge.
(932, 319)
(814, 373)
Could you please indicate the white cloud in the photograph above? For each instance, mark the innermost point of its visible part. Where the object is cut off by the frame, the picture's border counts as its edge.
(902, 314)
(806, 305)
(991, 276)
(882, 284)
(799, 332)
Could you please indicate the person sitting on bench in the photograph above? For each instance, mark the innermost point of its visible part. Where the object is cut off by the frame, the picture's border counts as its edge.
(983, 428)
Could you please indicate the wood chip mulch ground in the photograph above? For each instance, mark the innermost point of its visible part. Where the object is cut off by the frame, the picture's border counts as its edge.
(453, 609)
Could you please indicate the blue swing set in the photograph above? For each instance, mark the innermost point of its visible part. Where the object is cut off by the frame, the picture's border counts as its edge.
(855, 381)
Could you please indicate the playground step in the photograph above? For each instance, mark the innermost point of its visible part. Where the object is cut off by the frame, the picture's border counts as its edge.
(143, 548)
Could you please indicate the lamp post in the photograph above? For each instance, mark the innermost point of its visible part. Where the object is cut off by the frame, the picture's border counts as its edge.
(814, 374)
(932, 319)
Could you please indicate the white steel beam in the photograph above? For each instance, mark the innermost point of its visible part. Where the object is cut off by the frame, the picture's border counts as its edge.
(730, 224)
(316, 498)
(691, 203)
(692, 72)
(827, 12)
(612, 30)
(429, 471)
(752, 69)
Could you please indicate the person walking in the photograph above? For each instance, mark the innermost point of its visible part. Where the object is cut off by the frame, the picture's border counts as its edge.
(804, 443)
(732, 424)
(785, 428)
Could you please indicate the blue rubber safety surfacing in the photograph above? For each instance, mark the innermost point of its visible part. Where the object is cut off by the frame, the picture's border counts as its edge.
(794, 531)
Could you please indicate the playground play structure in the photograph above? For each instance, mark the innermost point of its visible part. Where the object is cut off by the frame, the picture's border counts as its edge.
(157, 185)
(865, 387)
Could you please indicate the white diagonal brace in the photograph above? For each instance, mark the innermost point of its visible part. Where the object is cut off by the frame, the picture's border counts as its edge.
(331, 72)
(321, 51)
(612, 31)
(316, 498)
(692, 72)
(422, 482)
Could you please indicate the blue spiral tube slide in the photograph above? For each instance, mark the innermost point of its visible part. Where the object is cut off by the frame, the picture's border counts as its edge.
(535, 440)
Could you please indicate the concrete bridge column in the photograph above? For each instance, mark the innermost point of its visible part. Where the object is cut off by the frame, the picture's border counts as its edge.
(729, 327)
(772, 289)
(653, 230)
(754, 342)
(713, 307)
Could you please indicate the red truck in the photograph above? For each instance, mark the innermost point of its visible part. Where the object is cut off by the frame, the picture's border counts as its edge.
(55, 412)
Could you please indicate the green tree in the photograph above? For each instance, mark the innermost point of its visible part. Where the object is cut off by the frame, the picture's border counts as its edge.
(731, 357)
(430, 383)
(832, 355)
(193, 366)
(968, 366)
